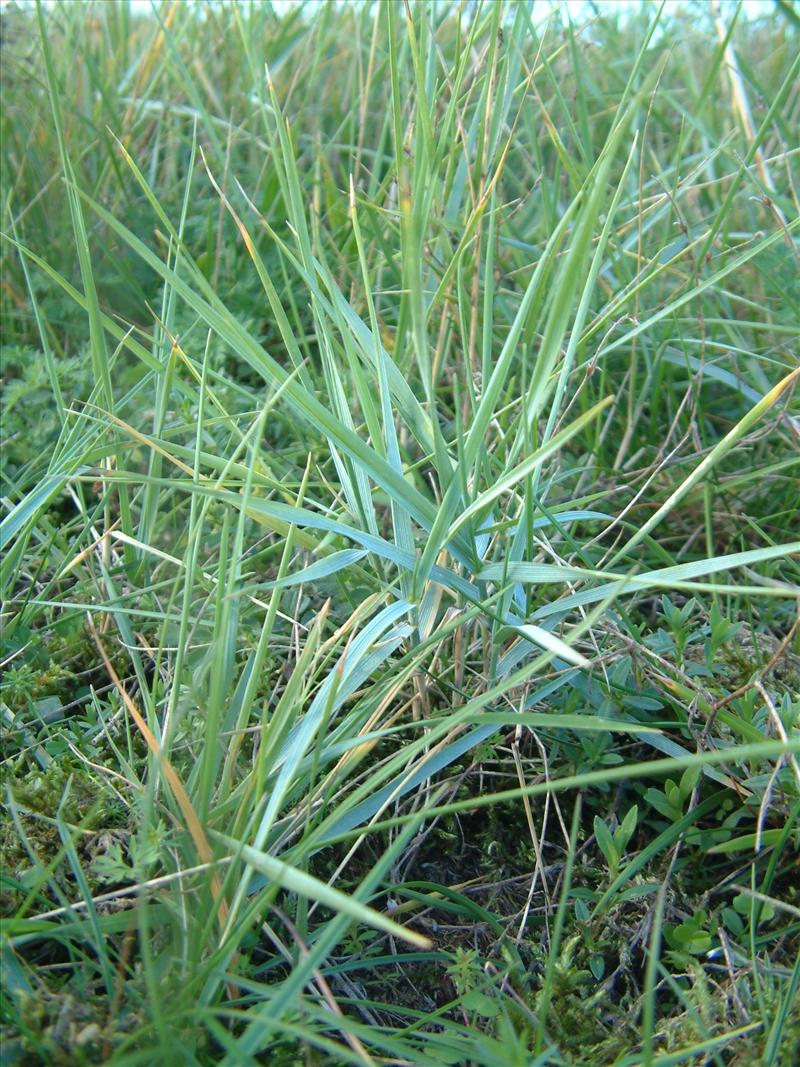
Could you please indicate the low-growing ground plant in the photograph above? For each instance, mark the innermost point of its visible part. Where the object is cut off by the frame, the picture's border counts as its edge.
(400, 642)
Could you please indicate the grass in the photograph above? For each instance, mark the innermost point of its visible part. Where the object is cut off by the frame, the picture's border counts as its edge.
(400, 535)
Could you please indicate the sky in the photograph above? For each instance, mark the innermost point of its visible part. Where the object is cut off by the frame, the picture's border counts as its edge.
(578, 9)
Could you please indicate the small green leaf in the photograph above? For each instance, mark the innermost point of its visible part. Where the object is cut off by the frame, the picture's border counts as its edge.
(689, 779)
(481, 1004)
(745, 904)
(626, 829)
(606, 842)
(747, 842)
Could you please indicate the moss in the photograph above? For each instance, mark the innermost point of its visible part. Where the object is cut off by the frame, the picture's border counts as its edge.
(38, 794)
(750, 653)
(43, 790)
(25, 683)
(67, 1030)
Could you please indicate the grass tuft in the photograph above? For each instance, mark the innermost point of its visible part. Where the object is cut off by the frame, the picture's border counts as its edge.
(400, 644)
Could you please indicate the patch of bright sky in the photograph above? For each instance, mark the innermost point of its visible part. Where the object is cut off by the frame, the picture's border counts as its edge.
(577, 10)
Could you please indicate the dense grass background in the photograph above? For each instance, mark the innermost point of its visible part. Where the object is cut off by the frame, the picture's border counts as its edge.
(400, 537)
